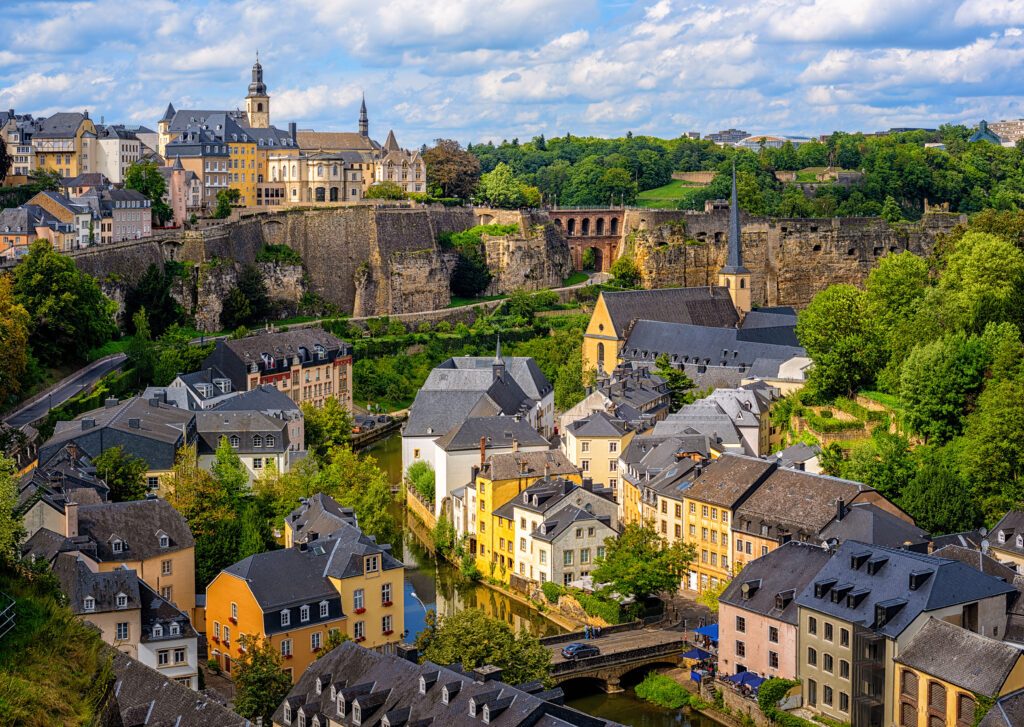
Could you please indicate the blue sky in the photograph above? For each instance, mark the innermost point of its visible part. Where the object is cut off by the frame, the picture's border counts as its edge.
(492, 69)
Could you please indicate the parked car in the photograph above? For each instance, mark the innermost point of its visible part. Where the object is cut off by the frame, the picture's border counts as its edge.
(580, 651)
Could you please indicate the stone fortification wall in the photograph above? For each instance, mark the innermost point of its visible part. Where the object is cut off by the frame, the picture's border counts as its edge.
(536, 258)
(790, 260)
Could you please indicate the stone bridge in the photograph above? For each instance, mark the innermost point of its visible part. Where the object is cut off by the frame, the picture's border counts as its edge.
(597, 229)
(621, 653)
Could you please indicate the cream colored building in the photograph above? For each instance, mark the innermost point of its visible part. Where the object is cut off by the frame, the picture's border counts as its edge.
(594, 444)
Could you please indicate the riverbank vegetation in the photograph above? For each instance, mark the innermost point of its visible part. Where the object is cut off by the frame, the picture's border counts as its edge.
(667, 693)
(941, 340)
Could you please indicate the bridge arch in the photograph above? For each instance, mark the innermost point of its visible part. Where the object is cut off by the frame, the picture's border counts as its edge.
(585, 226)
(637, 674)
(614, 226)
(599, 226)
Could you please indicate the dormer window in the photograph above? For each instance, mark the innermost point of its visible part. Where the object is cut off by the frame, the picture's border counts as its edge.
(165, 541)
(1020, 541)
(158, 630)
(121, 600)
(257, 441)
(304, 613)
(235, 441)
(302, 719)
(286, 617)
(1002, 536)
(372, 564)
(287, 713)
(316, 721)
(175, 629)
(89, 604)
(324, 609)
(117, 546)
(270, 441)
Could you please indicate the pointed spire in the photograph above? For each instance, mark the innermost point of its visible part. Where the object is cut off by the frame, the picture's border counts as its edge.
(364, 120)
(497, 351)
(734, 261)
(169, 113)
(392, 143)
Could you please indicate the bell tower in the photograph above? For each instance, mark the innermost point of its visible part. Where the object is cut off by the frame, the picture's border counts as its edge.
(257, 102)
(734, 276)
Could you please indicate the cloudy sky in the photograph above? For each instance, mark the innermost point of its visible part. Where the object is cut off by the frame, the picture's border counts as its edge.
(492, 69)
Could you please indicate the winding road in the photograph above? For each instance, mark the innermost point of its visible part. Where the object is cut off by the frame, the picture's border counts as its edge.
(39, 406)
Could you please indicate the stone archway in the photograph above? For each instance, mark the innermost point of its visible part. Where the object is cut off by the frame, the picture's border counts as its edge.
(585, 227)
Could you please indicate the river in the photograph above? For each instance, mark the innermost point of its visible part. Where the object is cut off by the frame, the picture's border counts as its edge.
(436, 585)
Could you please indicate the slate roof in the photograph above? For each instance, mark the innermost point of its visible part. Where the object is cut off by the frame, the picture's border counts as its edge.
(674, 480)
(566, 518)
(707, 417)
(498, 431)
(961, 657)
(389, 685)
(1011, 525)
(63, 125)
(512, 465)
(1008, 711)
(778, 577)
(968, 539)
(319, 515)
(138, 524)
(78, 582)
(697, 306)
(649, 455)
(146, 697)
(871, 524)
(883, 576)
(235, 356)
(730, 479)
(68, 476)
(523, 370)
(704, 345)
(157, 611)
(336, 141)
(977, 560)
(212, 426)
(794, 502)
(598, 424)
(435, 412)
(797, 454)
(346, 548)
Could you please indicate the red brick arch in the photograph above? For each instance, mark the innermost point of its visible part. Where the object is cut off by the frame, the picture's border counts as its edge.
(600, 229)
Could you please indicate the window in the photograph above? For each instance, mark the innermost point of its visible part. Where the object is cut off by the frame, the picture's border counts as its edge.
(324, 606)
(175, 630)
(812, 692)
(372, 564)
(286, 617)
(579, 532)
(304, 613)
(234, 611)
(227, 634)
(163, 657)
(704, 511)
(741, 624)
(613, 446)
(844, 702)
(812, 625)
(965, 708)
(600, 552)
(522, 541)
(164, 541)
(117, 546)
(773, 659)
(828, 631)
(235, 441)
(714, 513)
(180, 655)
(269, 440)
(89, 604)
(357, 599)
(844, 637)
(216, 629)
(826, 695)
(121, 600)
(812, 656)
(741, 649)
(315, 639)
(693, 531)
(585, 465)
(165, 567)
(826, 662)
(703, 533)
(584, 446)
(584, 555)
(543, 557)
(693, 507)
(567, 557)
(257, 441)
(385, 625)
(286, 648)
(121, 633)
(359, 630)
(844, 668)
(385, 593)
(257, 463)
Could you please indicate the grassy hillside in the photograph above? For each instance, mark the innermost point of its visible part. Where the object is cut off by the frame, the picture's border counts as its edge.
(668, 196)
(53, 670)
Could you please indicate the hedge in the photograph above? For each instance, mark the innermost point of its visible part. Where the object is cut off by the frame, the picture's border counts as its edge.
(663, 691)
(551, 591)
(768, 697)
(822, 424)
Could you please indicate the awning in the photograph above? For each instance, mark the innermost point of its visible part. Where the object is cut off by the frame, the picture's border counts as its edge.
(696, 653)
(746, 679)
(711, 631)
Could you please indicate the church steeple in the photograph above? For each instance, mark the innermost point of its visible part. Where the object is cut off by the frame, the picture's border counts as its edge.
(257, 102)
(733, 275)
(364, 120)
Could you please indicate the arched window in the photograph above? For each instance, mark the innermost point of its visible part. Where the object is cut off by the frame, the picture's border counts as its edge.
(259, 106)
(234, 441)
(570, 227)
(585, 226)
(600, 226)
(319, 170)
(257, 441)
(614, 226)
(600, 355)
(743, 282)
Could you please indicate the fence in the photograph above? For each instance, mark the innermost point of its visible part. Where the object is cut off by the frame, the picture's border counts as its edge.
(671, 648)
(8, 616)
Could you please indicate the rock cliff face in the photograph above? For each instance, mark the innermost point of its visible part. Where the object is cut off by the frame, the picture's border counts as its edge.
(535, 258)
(790, 260)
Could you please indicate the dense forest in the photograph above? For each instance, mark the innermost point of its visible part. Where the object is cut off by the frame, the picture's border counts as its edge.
(900, 172)
(940, 340)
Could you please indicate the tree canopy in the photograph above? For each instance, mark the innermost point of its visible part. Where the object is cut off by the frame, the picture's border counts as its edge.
(14, 341)
(641, 563)
(261, 684)
(451, 170)
(145, 177)
(123, 474)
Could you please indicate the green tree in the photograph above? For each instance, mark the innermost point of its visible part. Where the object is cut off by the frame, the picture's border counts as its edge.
(384, 190)
(474, 639)
(123, 474)
(983, 282)
(891, 211)
(145, 177)
(680, 385)
(359, 483)
(641, 563)
(5, 163)
(248, 301)
(236, 310)
(255, 536)
(471, 275)
(451, 170)
(226, 198)
(11, 530)
(175, 355)
(625, 272)
(992, 462)
(884, 462)
(936, 497)
(69, 315)
(842, 341)
(229, 472)
(141, 351)
(14, 338)
(153, 292)
(894, 288)
(327, 427)
(260, 682)
(709, 596)
(500, 188)
(420, 477)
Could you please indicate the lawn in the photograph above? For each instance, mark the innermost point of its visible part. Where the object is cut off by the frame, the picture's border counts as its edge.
(575, 279)
(669, 196)
(458, 302)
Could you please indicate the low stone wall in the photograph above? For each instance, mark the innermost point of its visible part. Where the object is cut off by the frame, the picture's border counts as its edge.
(736, 703)
(419, 508)
(694, 177)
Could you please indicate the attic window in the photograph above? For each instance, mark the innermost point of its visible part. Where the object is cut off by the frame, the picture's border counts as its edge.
(158, 630)
(1020, 541)
(89, 604)
(121, 601)
(175, 629)
(287, 713)
(117, 546)
(164, 541)
(1002, 536)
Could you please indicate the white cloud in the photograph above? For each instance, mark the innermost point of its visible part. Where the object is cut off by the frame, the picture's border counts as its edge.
(990, 13)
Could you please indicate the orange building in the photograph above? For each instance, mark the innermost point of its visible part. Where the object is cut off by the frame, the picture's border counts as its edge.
(296, 597)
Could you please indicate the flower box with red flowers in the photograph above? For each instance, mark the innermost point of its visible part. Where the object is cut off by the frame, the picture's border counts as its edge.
(359, 638)
(216, 640)
(388, 632)
(360, 610)
(386, 604)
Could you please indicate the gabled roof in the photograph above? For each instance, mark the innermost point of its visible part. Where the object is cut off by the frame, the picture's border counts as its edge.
(138, 525)
(1010, 526)
(513, 465)
(391, 144)
(686, 343)
(317, 517)
(566, 518)
(977, 560)
(730, 479)
(78, 582)
(869, 523)
(434, 413)
(961, 657)
(336, 141)
(1008, 711)
(599, 424)
(497, 431)
(63, 125)
(697, 306)
(542, 496)
(773, 580)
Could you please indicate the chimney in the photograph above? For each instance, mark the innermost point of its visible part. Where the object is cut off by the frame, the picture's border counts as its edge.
(840, 509)
(406, 650)
(293, 131)
(110, 402)
(88, 423)
(487, 673)
(71, 520)
(515, 444)
(547, 470)
(483, 450)
(588, 484)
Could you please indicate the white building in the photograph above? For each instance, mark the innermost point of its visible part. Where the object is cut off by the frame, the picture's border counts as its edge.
(117, 149)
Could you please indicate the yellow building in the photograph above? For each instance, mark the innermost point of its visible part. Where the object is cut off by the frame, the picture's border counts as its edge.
(502, 478)
(595, 443)
(932, 686)
(65, 142)
(1007, 539)
(709, 505)
(733, 276)
(296, 597)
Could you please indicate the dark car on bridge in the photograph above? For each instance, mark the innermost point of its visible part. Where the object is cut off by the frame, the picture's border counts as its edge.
(580, 651)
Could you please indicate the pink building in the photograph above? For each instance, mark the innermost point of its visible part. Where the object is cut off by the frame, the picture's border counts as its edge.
(757, 613)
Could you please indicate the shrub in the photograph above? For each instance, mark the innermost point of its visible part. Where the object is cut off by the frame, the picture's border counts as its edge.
(281, 254)
(663, 691)
(598, 607)
(421, 476)
(552, 591)
(821, 423)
